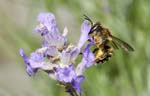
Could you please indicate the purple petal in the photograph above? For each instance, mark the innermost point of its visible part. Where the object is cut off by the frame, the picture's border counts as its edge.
(66, 74)
(41, 29)
(37, 57)
(23, 54)
(52, 51)
(75, 52)
(69, 55)
(87, 60)
(61, 41)
(53, 39)
(29, 70)
(48, 20)
(81, 67)
(85, 29)
(35, 61)
(76, 83)
(65, 57)
(45, 43)
(88, 55)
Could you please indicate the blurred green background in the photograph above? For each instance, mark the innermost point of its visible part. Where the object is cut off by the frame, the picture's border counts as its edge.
(126, 74)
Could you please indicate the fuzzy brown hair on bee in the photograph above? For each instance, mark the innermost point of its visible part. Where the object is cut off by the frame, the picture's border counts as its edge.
(105, 42)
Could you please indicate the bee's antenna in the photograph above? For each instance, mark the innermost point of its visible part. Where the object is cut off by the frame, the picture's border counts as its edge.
(87, 18)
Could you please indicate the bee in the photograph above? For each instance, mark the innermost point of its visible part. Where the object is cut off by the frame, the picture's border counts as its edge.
(105, 42)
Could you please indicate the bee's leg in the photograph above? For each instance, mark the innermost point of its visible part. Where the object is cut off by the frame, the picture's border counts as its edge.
(95, 50)
(97, 61)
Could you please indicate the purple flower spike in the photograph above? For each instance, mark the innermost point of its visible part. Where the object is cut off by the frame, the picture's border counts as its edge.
(57, 57)
(85, 29)
(66, 74)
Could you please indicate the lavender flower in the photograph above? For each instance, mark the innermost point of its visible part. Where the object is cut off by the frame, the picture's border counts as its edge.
(60, 64)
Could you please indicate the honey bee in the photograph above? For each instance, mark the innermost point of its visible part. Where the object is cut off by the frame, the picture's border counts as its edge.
(105, 42)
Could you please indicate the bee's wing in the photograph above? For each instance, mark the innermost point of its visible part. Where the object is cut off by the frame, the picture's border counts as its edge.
(119, 43)
(114, 45)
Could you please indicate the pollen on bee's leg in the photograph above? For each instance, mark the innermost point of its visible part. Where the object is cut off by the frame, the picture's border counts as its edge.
(109, 54)
(111, 50)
